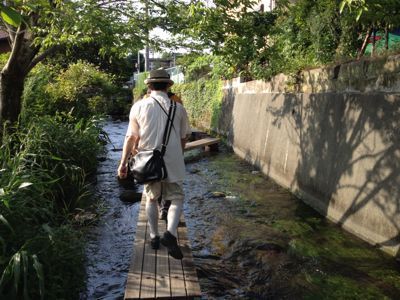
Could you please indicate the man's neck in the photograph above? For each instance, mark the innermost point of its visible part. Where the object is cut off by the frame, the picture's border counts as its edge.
(161, 93)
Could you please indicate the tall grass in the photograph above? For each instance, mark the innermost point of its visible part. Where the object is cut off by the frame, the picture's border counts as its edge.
(44, 170)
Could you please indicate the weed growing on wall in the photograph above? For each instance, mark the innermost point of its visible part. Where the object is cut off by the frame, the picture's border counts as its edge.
(202, 100)
(140, 88)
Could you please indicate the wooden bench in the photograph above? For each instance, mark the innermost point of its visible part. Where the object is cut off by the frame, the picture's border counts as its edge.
(208, 141)
(154, 274)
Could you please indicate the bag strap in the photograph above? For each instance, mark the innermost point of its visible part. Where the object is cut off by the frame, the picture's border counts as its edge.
(164, 109)
(168, 125)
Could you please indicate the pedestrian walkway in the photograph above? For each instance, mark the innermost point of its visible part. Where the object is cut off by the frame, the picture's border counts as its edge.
(153, 274)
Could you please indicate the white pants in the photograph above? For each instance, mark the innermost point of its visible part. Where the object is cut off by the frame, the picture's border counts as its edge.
(169, 191)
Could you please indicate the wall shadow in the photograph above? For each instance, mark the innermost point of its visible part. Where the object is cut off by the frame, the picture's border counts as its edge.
(349, 144)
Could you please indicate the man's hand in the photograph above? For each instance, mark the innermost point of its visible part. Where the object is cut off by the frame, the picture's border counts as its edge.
(122, 171)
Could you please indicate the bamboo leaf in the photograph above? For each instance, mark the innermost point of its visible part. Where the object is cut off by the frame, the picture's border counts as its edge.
(2, 192)
(7, 273)
(342, 4)
(39, 272)
(359, 13)
(56, 158)
(24, 185)
(16, 266)
(10, 16)
(25, 261)
(5, 222)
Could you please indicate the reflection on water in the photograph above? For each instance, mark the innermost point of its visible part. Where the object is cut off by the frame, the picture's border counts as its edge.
(251, 239)
(110, 242)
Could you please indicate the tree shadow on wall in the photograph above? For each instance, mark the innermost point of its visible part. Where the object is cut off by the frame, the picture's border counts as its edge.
(222, 119)
(343, 135)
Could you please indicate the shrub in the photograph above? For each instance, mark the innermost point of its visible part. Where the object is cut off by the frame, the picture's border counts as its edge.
(81, 89)
(36, 99)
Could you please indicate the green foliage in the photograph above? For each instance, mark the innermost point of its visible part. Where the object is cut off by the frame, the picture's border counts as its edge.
(202, 100)
(233, 31)
(43, 178)
(81, 89)
(140, 88)
(119, 65)
(10, 16)
(3, 59)
(294, 36)
(196, 66)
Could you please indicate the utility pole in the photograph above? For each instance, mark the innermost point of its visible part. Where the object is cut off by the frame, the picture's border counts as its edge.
(146, 54)
(138, 62)
(146, 58)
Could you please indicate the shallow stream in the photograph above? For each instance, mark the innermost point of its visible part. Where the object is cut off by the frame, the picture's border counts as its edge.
(251, 239)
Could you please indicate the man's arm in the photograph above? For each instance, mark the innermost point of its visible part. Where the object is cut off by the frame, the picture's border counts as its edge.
(185, 128)
(183, 143)
(130, 146)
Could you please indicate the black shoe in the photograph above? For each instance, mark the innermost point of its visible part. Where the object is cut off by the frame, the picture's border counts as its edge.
(169, 241)
(155, 243)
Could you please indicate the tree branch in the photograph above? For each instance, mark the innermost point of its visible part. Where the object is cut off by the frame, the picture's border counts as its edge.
(41, 57)
(16, 45)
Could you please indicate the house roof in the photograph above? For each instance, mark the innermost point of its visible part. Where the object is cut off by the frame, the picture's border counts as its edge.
(3, 34)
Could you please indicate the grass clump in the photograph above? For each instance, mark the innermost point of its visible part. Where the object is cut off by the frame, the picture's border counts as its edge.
(44, 170)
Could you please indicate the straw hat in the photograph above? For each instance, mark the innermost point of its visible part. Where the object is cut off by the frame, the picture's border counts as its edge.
(159, 75)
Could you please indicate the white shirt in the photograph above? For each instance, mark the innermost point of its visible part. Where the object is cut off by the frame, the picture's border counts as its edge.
(151, 120)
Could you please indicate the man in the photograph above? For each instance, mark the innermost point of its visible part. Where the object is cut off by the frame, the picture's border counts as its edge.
(145, 131)
(164, 204)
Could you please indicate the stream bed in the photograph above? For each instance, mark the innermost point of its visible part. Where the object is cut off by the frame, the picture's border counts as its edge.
(251, 239)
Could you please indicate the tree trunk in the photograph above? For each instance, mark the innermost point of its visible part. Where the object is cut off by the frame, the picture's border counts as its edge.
(386, 37)
(364, 45)
(373, 42)
(11, 88)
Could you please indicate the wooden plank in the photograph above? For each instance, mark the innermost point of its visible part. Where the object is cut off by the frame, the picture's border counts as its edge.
(163, 288)
(201, 143)
(189, 269)
(148, 282)
(133, 284)
(156, 275)
(176, 275)
(177, 280)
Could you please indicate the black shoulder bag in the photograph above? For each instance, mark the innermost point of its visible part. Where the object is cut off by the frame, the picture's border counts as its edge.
(148, 165)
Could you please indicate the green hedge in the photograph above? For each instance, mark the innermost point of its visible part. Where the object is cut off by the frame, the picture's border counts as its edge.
(202, 100)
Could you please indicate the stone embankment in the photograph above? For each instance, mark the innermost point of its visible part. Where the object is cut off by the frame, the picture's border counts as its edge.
(330, 135)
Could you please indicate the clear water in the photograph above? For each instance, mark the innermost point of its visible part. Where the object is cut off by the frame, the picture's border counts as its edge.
(251, 239)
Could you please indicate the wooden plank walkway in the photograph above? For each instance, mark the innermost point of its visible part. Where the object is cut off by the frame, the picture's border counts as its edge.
(154, 274)
(208, 141)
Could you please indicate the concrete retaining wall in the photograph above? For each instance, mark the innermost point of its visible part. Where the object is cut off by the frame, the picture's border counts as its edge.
(332, 137)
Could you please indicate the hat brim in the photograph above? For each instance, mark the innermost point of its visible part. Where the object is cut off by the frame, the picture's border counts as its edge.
(166, 80)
